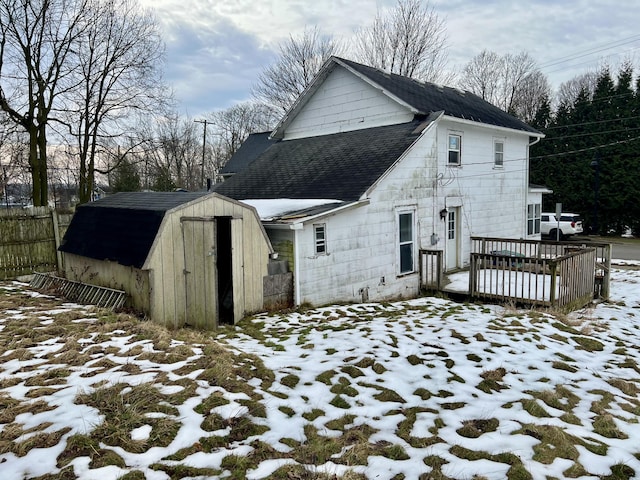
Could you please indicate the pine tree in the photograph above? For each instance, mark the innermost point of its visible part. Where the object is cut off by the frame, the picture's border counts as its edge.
(126, 177)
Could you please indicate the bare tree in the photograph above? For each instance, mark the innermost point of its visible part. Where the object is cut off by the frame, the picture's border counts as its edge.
(36, 49)
(569, 90)
(234, 125)
(511, 82)
(118, 57)
(533, 95)
(481, 75)
(300, 59)
(410, 41)
(173, 154)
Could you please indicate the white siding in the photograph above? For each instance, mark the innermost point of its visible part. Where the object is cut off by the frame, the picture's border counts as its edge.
(362, 248)
(493, 200)
(345, 102)
(362, 244)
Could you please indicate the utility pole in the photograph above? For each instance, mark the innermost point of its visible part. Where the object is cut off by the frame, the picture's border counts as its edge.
(596, 165)
(204, 146)
(6, 185)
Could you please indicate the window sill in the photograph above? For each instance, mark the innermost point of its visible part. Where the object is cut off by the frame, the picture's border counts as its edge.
(318, 255)
(406, 274)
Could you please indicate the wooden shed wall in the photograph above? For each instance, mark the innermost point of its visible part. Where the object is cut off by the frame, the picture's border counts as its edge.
(166, 262)
(113, 275)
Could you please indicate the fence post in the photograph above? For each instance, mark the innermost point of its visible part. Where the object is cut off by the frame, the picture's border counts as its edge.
(553, 267)
(607, 272)
(56, 236)
(472, 275)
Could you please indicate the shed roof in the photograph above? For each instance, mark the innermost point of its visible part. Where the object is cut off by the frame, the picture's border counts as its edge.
(121, 227)
(340, 166)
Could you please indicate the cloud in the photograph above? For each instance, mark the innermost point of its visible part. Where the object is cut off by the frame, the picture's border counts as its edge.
(217, 48)
(211, 65)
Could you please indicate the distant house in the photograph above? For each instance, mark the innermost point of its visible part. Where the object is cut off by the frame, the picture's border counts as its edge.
(184, 259)
(368, 167)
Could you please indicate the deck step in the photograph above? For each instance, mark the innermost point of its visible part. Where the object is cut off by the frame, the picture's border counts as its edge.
(79, 292)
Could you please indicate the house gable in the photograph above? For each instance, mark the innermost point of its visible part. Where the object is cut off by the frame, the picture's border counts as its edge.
(345, 102)
(357, 93)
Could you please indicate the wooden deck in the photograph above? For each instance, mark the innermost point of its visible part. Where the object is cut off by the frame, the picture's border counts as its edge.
(565, 275)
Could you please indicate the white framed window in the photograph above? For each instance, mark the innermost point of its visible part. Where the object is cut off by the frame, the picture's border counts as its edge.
(498, 153)
(455, 149)
(406, 241)
(320, 238)
(533, 218)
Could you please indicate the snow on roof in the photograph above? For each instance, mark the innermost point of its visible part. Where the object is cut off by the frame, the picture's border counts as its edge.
(271, 209)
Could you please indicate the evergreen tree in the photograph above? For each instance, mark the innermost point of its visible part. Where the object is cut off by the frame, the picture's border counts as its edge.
(589, 158)
(126, 177)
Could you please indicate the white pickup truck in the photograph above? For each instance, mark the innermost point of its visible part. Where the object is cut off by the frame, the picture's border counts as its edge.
(570, 224)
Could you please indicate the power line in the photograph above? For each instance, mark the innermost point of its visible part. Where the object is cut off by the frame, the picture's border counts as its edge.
(590, 51)
(595, 122)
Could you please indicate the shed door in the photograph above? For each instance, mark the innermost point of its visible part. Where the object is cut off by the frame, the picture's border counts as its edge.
(224, 270)
(237, 269)
(200, 272)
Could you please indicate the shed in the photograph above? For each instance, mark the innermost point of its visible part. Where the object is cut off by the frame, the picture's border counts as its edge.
(184, 259)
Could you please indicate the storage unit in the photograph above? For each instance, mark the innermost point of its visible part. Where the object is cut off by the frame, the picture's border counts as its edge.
(184, 259)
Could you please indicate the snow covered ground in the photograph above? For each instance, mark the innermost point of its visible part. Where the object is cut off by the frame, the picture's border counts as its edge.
(397, 390)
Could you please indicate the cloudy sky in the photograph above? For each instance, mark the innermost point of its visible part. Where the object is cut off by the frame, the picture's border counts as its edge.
(217, 48)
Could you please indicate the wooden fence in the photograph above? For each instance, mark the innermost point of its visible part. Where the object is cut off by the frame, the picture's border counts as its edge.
(29, 240)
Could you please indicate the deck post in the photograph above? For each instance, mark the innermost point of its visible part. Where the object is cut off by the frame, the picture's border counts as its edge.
(553, 268)
(607, 272)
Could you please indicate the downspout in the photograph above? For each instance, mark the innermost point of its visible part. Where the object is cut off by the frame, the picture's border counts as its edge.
(296, 267)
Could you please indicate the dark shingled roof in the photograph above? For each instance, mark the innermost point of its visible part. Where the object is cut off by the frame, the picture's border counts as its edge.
(121, 227)
(340, 166)
(251, 148)
(429, 97)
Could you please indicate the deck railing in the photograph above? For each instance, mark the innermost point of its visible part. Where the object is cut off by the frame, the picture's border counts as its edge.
(562, 275)
(430, 266)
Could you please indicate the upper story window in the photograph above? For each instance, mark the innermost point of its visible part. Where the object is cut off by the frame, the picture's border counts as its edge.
(320, 238)
(498, 153)
(455, 149)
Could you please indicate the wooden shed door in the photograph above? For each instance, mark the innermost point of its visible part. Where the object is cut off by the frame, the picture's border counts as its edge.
(214, 271)
(200, 271)
(224, 270)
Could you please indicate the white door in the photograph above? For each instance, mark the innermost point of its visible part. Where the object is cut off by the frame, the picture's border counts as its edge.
(453, 238)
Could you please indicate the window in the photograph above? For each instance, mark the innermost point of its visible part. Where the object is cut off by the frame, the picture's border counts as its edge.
(498, 153)
(533, 219)
(455, 144)
(405, 237)
(320, 238)
(451, 225)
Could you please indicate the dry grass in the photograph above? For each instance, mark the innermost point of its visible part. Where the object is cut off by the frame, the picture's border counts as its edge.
(190, 369)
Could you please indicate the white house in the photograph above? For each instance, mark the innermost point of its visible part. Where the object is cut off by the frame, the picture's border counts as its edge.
(369, 167)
